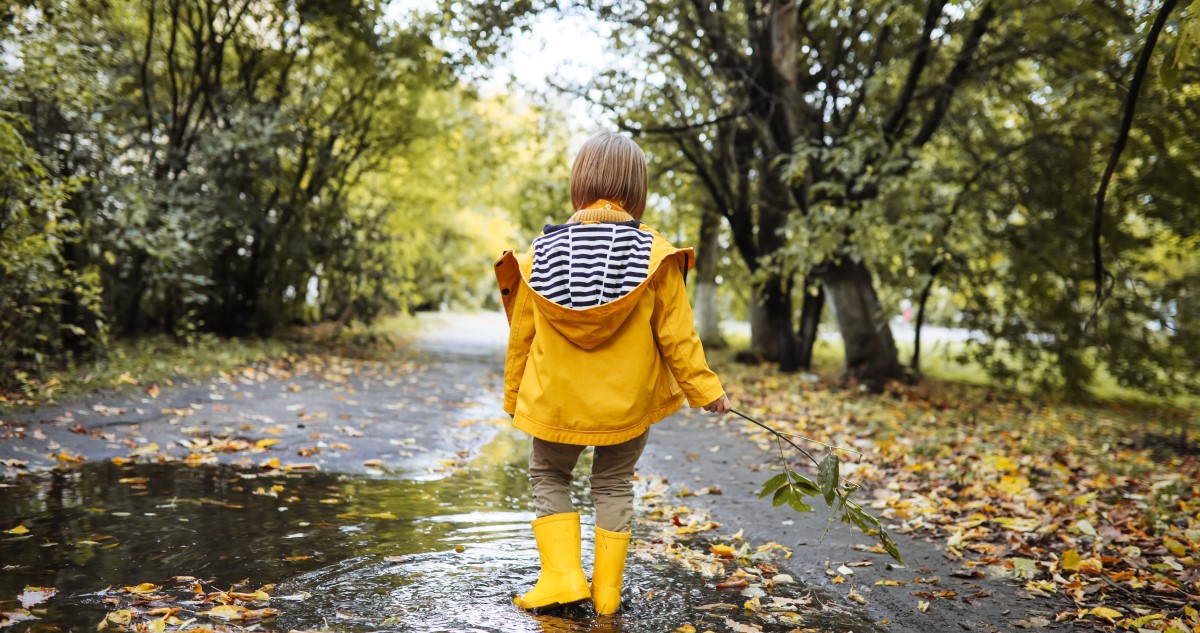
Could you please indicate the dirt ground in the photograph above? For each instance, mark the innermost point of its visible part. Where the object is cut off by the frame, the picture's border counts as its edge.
(401, 418)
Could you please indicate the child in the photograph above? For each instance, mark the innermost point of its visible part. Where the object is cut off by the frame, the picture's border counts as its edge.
(601, 345)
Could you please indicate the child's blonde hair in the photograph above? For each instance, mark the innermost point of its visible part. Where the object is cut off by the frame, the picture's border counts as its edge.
(610, 167)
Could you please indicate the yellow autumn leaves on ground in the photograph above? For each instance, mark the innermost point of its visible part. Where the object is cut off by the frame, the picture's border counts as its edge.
(1063, 498)
(152, 608)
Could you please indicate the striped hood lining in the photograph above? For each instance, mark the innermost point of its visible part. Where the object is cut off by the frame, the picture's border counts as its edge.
(581, 266)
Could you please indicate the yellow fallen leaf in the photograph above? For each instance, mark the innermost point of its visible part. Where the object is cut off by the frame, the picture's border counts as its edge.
(227, 612)
(1105, 612)
(157, 626)
(857, 597)
(20, 529)
(1175, 547)
(1131, 623)
(1091, 565)
(121, 461)
(124, 616)
(888, 583)
(839, 580)
(723, 551)
(922, 606)
(1070, 560)
(266, 443)
(1041, 585)
(146, 587)
(272, 463)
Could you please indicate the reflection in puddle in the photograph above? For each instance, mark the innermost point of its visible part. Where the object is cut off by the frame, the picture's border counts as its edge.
(369, 554)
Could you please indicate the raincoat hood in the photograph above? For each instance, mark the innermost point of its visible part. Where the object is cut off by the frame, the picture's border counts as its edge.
(586, 277)
(601, 341)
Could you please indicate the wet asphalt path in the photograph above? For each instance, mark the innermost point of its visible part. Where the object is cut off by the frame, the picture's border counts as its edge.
(428, 412)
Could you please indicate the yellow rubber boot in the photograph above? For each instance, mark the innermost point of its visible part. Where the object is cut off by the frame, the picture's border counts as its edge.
(609, 572)
(561, 581)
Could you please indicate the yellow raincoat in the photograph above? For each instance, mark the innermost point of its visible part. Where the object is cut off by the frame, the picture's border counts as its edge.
(602, 375)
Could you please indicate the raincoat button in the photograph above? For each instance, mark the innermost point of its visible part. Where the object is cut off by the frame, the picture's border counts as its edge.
(504, 291)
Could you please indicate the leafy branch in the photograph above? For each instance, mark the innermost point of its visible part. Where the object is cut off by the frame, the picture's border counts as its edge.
(791, 488)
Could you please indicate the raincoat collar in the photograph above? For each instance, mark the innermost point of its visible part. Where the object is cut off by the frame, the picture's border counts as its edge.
(602, 211)
(587, 327)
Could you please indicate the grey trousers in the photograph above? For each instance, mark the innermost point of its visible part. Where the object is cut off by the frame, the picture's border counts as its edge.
(550, 466)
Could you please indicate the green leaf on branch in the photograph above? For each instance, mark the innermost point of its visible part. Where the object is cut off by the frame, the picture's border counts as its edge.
(791, 487)
(782, 496)
(797, 503)
(805, 485)
(827, 476)
(773, 484)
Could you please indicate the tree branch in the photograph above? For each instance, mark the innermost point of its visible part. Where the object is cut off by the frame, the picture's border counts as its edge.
(896, 120)
(962, 65)
(1131, 98)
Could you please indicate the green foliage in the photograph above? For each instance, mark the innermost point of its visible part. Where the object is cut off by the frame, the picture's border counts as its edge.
(791, 488)
(36, 282)
(233, 166)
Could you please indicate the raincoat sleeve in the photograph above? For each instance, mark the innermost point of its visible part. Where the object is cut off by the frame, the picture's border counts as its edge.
(518, 307)
(520, 336)
(677, 339)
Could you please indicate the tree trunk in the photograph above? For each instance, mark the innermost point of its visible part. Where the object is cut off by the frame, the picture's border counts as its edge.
(781, 333)
(707, 315)
(915, 365)
(871, 355)
(772, 334)
(810, 321)
(760, 348)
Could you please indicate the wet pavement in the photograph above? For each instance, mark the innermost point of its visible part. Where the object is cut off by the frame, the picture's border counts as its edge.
(393, 497)
(345, 552)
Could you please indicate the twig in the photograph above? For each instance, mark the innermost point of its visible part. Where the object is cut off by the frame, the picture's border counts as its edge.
(777, 434)
(800, 437)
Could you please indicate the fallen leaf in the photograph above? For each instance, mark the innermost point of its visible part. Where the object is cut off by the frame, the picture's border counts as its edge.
(1105, 612)
(227, 612)
(1070, 560)
(733, 582)
(723, 551)
(1175, 547)
(143, 588)
(33, 596)
(738, 627)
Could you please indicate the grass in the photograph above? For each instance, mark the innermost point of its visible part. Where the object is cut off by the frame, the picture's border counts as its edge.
(1156, 420)
(939, 361)
(161, 360)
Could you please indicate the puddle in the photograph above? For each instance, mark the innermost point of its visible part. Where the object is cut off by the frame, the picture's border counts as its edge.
(312, 534)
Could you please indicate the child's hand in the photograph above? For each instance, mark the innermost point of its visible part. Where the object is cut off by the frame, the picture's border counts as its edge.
(720, 405)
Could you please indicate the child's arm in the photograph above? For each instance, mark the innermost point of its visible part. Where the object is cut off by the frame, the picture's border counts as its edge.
(680, 345)
(520, 336)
